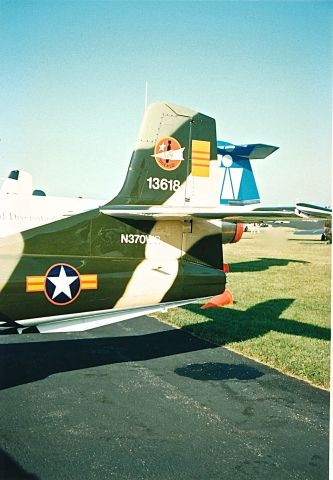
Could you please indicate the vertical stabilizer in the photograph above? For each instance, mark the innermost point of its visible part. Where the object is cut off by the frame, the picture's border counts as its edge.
(18, 182)
(171, 140)
(238, 185)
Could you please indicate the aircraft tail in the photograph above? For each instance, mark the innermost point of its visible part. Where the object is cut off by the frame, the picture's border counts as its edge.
(238, 185)
(174, 144)
(177, 161)
(18, 182)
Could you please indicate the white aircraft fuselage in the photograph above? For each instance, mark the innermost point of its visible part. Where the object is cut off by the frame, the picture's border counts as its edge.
(19, 212)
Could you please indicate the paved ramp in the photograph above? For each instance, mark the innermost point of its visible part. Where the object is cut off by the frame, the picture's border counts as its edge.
(140, 400)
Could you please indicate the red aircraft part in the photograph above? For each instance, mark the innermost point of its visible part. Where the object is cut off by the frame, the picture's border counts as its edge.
(231, 232)
(238, 233)
(224, 298)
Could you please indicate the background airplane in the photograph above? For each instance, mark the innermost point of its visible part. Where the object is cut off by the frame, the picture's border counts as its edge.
(157, 244)
(22, 207)
(307, 211)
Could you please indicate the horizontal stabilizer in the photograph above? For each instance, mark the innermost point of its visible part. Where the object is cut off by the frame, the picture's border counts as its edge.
(251, 151)
(233, 214)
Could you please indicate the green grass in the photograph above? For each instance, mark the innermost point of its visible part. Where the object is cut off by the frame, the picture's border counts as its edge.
(281, 312)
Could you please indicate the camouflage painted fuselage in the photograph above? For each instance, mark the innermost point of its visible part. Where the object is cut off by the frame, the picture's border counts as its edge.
(132, 263)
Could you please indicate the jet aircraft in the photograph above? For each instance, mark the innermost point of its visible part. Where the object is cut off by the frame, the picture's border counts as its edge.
(157, 244)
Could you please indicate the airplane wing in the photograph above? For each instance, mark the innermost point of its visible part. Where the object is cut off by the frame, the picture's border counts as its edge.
(80, 322)
(307, 210)
(233, 214)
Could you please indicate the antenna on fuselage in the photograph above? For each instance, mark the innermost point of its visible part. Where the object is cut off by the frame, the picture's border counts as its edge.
(146, 94)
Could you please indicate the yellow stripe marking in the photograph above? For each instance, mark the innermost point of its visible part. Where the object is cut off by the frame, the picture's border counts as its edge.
(89, 286)
(35, 279)
(35, 288)
(200, 165)
(88, 278)
(201, 155)
(34, 284)
(88, 282)
(200, 158)
(201, 146)
(200, 171)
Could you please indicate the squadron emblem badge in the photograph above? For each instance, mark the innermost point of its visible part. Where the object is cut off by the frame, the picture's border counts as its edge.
(168, 153)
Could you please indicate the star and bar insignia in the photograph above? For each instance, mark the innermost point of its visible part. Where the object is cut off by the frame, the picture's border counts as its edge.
(62, 283)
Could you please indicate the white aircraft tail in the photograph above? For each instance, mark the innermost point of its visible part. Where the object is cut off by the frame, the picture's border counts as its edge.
(18, 182)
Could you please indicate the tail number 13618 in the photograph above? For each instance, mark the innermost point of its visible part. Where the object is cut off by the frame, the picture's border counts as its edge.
(155, 183)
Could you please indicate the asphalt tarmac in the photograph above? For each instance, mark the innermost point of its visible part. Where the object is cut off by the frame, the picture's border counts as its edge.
(141, 400)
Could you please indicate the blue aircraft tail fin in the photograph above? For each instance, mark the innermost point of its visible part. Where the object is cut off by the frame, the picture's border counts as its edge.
(238, 183)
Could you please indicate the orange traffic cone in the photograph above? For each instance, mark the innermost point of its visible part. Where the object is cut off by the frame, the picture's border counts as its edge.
(224, 298)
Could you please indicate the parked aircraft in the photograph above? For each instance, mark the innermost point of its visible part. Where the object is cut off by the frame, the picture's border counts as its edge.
(18, 182)
(307, 210)
(22, 208)
(157, 244)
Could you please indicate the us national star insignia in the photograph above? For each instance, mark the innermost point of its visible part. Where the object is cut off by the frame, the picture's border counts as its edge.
(62, 284)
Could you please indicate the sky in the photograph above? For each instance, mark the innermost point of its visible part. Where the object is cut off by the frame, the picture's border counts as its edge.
(72, 87)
